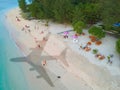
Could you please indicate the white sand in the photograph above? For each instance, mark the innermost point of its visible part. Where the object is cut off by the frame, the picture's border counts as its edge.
(85, 72)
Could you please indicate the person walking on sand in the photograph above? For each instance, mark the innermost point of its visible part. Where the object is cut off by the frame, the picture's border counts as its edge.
(43, 62)
(39, 46)
(109, 60)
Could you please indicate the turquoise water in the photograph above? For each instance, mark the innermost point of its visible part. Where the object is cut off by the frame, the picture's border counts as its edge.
(11, 74)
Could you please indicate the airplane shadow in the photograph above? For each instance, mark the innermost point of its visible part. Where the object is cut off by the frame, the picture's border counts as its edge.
(36, 57)
(39, 68)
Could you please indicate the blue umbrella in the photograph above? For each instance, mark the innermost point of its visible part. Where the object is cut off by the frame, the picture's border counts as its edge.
(116, 24)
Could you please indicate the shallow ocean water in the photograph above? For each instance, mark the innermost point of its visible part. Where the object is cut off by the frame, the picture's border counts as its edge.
(11, 74)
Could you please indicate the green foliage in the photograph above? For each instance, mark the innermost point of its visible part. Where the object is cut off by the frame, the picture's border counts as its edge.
(108, 57)
(34, 9)
(76, 2)
(81, 12)
(25, 15)
(62, 11)
(97, 31)
(89, 12)
(68, 11)
(95, 51)
(110, 13)
(118, 46)
(22, 5)
(78, 26)
(46, 7)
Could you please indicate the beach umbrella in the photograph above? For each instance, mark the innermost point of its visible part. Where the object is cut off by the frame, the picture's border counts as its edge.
(75, 40)
(74, 36)
(66, 33)
(116, 24)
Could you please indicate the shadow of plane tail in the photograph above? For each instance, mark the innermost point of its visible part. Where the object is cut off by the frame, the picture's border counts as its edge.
(19, 59)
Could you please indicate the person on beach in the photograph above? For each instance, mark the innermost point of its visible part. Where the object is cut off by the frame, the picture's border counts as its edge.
(17, 18)
(29, 30)
(27, 26)
(38, 46)
(109, 60)
(66, 34)
(44, 39)
(41, 32)
(43, 62)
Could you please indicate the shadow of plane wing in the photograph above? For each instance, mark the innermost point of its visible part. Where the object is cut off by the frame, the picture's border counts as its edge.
(49, 58)
(38, 68)
(62, 57)
(37, 53)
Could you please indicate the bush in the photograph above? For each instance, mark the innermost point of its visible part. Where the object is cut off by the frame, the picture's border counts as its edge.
(22, 4)
(118, 46)
(95, 51)
(97, 32)
(78, 26)
(87, 12)
(26, 15)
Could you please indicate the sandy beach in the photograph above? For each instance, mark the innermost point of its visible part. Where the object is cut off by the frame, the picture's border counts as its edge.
(76, 68)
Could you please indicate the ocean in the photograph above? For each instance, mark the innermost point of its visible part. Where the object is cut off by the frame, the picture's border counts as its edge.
(11, 74)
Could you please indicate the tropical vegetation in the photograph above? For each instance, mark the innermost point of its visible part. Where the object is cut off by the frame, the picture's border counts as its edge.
(78, 26)
(118, 46)
(97, 32)
(83, 12)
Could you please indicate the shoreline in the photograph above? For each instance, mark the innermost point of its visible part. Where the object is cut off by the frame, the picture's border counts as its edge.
(83, 73)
